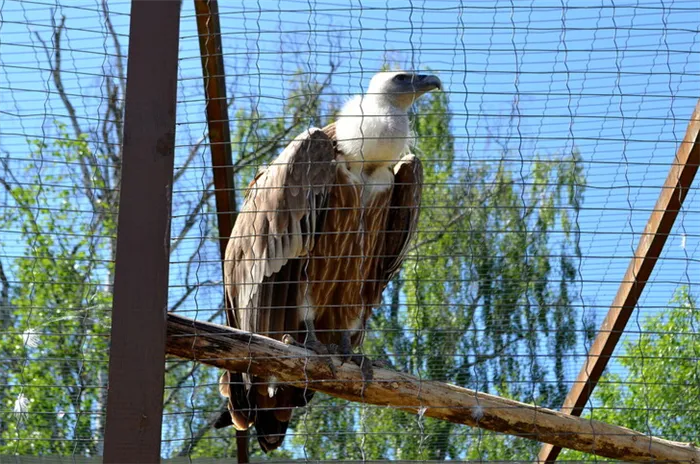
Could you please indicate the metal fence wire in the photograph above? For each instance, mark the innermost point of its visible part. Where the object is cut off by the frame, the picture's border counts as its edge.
(550, 177)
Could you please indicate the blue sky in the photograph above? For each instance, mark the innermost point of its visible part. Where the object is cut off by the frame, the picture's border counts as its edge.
(617, 80)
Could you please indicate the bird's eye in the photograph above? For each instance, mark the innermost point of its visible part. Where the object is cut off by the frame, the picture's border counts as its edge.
(401, 77)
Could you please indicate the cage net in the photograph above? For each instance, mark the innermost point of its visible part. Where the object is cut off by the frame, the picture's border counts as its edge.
(543, 155)
(61, 112)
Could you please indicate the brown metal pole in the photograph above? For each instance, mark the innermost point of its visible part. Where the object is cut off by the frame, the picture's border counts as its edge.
(137, 349)
(213, 71)
(214, 75)
(674, 191)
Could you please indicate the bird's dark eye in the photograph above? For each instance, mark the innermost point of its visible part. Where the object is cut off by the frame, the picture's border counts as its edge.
(401, 77)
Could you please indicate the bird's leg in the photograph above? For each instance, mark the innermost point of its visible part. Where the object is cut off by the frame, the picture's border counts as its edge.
(313, 343)
(346, 354)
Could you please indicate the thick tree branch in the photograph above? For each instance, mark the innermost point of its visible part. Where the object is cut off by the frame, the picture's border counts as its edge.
(240, 351)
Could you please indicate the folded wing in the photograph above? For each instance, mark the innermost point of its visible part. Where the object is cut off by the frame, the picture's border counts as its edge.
(282, 215)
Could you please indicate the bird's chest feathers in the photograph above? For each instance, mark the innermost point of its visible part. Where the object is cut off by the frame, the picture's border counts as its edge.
(346, 257)
(385, 137)
(372, 133)
(372, 185)
(357, 211)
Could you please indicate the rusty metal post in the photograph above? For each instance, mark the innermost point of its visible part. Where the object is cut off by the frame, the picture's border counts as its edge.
(137, 350)
(658, 228)
(214, 75)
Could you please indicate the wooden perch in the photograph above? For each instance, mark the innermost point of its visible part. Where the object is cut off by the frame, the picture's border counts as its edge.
(240, 351)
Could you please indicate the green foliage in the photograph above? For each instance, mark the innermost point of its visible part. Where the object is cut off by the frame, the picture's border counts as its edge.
(658, 393)
(58, 321)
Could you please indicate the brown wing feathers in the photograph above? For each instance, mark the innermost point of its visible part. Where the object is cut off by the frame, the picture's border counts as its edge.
(403, 214)
(278, 223)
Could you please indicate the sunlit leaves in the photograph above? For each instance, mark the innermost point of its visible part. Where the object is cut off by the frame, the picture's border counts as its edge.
(59, 314)
(655, 389)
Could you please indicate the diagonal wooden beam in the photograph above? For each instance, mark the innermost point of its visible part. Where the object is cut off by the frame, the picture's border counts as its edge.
(652, 241)
(240, 351)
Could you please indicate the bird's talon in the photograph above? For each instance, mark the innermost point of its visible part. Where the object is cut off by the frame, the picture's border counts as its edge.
(367, 371)
(345, 357)
(382, 364)
(365, 365)
(331, 366)
(318, 348)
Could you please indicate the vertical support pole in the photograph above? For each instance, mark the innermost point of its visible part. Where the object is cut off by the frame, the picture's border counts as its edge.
(214, 74)
(137, 350)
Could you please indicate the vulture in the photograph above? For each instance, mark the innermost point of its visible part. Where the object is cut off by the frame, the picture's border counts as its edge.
(322, 231)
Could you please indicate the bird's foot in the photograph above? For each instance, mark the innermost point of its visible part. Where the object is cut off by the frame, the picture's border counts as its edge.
(317, 347)
(383, 364)
(346, 354)
(363, 362)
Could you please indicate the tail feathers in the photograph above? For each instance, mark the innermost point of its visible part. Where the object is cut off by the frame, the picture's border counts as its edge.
(302, 397)
(271, 423)
(266, 405)
(231, 417)
(270, 429)
(224, 420)
(241, 414)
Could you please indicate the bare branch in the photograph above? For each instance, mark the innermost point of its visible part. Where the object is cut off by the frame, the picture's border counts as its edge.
(190, 289)
(56, 74)
(115, 41)
(298, 120)
(55, 65)
(176, 388)
(194, 149)
(192, 216)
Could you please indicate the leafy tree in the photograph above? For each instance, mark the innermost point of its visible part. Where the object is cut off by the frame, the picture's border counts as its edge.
(55, 357)
(659, 391)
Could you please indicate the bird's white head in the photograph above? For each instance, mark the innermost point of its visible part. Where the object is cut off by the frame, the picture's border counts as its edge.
(401, 88)
(374, 128)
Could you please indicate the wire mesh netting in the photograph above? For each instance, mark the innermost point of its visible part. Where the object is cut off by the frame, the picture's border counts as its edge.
(543, 155)
(61, 112)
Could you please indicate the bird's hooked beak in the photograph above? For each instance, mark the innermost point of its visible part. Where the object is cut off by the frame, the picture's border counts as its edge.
(425, 83)
(415, 87)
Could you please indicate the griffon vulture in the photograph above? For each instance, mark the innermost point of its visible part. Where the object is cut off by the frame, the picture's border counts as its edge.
(321, 233)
